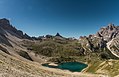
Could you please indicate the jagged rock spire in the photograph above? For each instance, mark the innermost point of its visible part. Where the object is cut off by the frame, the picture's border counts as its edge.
(111, 26)
(58, 35)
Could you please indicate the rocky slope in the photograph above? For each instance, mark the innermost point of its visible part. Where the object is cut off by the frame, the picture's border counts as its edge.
(12, 40)
(106, 37)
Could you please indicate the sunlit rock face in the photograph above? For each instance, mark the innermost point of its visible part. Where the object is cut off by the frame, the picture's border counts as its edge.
(111, 35)
(99, 41)
(109, 32)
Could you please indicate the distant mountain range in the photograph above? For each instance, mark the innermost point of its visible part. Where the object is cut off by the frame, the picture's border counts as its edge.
(106, 37)
(100, 46)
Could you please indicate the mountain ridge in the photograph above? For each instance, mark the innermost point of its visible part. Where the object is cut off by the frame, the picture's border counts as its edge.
(89, 43)
(100, 47)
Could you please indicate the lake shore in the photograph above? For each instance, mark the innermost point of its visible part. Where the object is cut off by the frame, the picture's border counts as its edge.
(53, 64)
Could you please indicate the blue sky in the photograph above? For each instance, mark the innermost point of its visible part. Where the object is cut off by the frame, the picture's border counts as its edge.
(71, 18)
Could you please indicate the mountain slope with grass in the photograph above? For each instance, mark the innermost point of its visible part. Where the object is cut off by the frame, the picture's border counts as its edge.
(23, 56)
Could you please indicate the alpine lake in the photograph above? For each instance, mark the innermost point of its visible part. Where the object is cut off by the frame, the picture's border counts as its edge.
(71, 66)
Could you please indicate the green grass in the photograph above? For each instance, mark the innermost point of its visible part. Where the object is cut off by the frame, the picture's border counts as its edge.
(93, 66)
(113, 69)
(110, 67)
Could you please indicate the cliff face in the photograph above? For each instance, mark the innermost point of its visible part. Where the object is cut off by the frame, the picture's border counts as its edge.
(7, 30)
(110, 32)
(101, 39)
(3, 38)
(6, 26)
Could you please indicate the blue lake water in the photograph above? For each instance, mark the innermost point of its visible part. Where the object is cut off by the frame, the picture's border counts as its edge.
(71, 66)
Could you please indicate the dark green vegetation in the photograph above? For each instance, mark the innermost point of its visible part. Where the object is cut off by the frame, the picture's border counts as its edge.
(66, 50)
(71, 66)
(58, 48)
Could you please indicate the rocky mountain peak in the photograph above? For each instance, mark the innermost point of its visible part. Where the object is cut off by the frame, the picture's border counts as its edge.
(58, 35)
(111, 27)
(109, 32)
(4, 21)
(101, 38)
(6, 26)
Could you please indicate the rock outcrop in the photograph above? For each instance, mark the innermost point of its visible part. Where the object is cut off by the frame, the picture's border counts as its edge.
(99, 41)
(109, 32)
